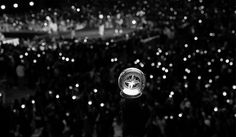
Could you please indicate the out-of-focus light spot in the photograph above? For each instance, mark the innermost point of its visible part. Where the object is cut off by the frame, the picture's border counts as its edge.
(185, 45)
(185, 85)
(180, 114)
(184, 59)
(15, 5)
(50, 92)
(200, 21)
(57, 96)
(26, 53)
(33, 101)
(199, 77)
(21, 56)
(72, 60)
(78, 9)
(34, 61)
(171, 117)
(134, 22)
(102, 105)
(95, 90)
(67, 59)
(77, 85)
(74, 97)
(100, 16)
(227, 61)
(219, 50)
(31, 3)
(234, 86)
(22, 106)
(151, 76)
(70, 87)
(215, 109)
(164, 76)
(224, 93)
(195, 38)
(90, 102)
(3, 7)
(67, 114)
(212, 34)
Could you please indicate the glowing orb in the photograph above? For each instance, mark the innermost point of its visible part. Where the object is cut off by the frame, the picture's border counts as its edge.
(131, 82)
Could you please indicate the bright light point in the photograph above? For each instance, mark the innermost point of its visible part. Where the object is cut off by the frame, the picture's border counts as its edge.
(34, 61)
(180, 115)
(200, 21)
(72, 60)
(102, 105)
(74, 97)
(195, 38)
(26, 53)
(77, 85)
(78, 9)
(50, 92)
(219, 50)
(131, 92)
(199, 77)
(185, 17)
(185, 45)
(100, 16)
(164, 76)
(166, 117)
(187, 70)
(95, 90)
(153, 64)
(70, 87)
(3, 7)
(15, 5)
(21, 56)
(22, 106)
(231, 63)
(209, 70)
(215, 109)
(234, 86)
(151, 76)
(90, 102)
(67, 59)
(184, 77)
(31, 3)
(63, 58)
(224, 93)
(212, 34)
(38, 55)
(227, 61)
(170, 65)
(33, 102)
(171, 117)
(185, 85)
(134, 22)
(184, 59)
(166, 70)
(208, 63)
(67, 114)
(57, 96)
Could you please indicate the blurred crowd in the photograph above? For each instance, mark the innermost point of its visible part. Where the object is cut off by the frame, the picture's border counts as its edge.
(187, 54)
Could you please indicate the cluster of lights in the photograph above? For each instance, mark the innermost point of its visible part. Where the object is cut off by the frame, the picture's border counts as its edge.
(16, 5)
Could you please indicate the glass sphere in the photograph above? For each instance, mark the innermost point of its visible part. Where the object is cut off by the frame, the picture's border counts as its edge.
(131, 82)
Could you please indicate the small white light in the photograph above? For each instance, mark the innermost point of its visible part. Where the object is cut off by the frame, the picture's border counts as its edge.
(100, 16)
(227, 61)
(180, 115)
(23, 106)
(26, 53)
(72, 60)
(67, 59)
(15, 5)
(67, 114)
(200, 21)
(199, 77)
(0, 94)
(78, 9)
(90, 102)
(224, 93)
(134, 22)
(50, 92)
(95, 90)
(184, 59)
(164, 76)
(102, 105)
(3, 7)
(34, 61)
(234, 86)
(151, 76)
(33, 101)
(195, 38)
(57, 96)
(185, 45)
(31, 3)
(77, 85)
(74, 97)
(215, 109)
(171, 117)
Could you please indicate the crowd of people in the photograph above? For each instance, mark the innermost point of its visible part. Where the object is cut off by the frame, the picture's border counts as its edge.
(188, 57)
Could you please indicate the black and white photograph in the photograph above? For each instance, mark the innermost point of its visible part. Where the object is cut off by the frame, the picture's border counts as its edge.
(117, 68)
